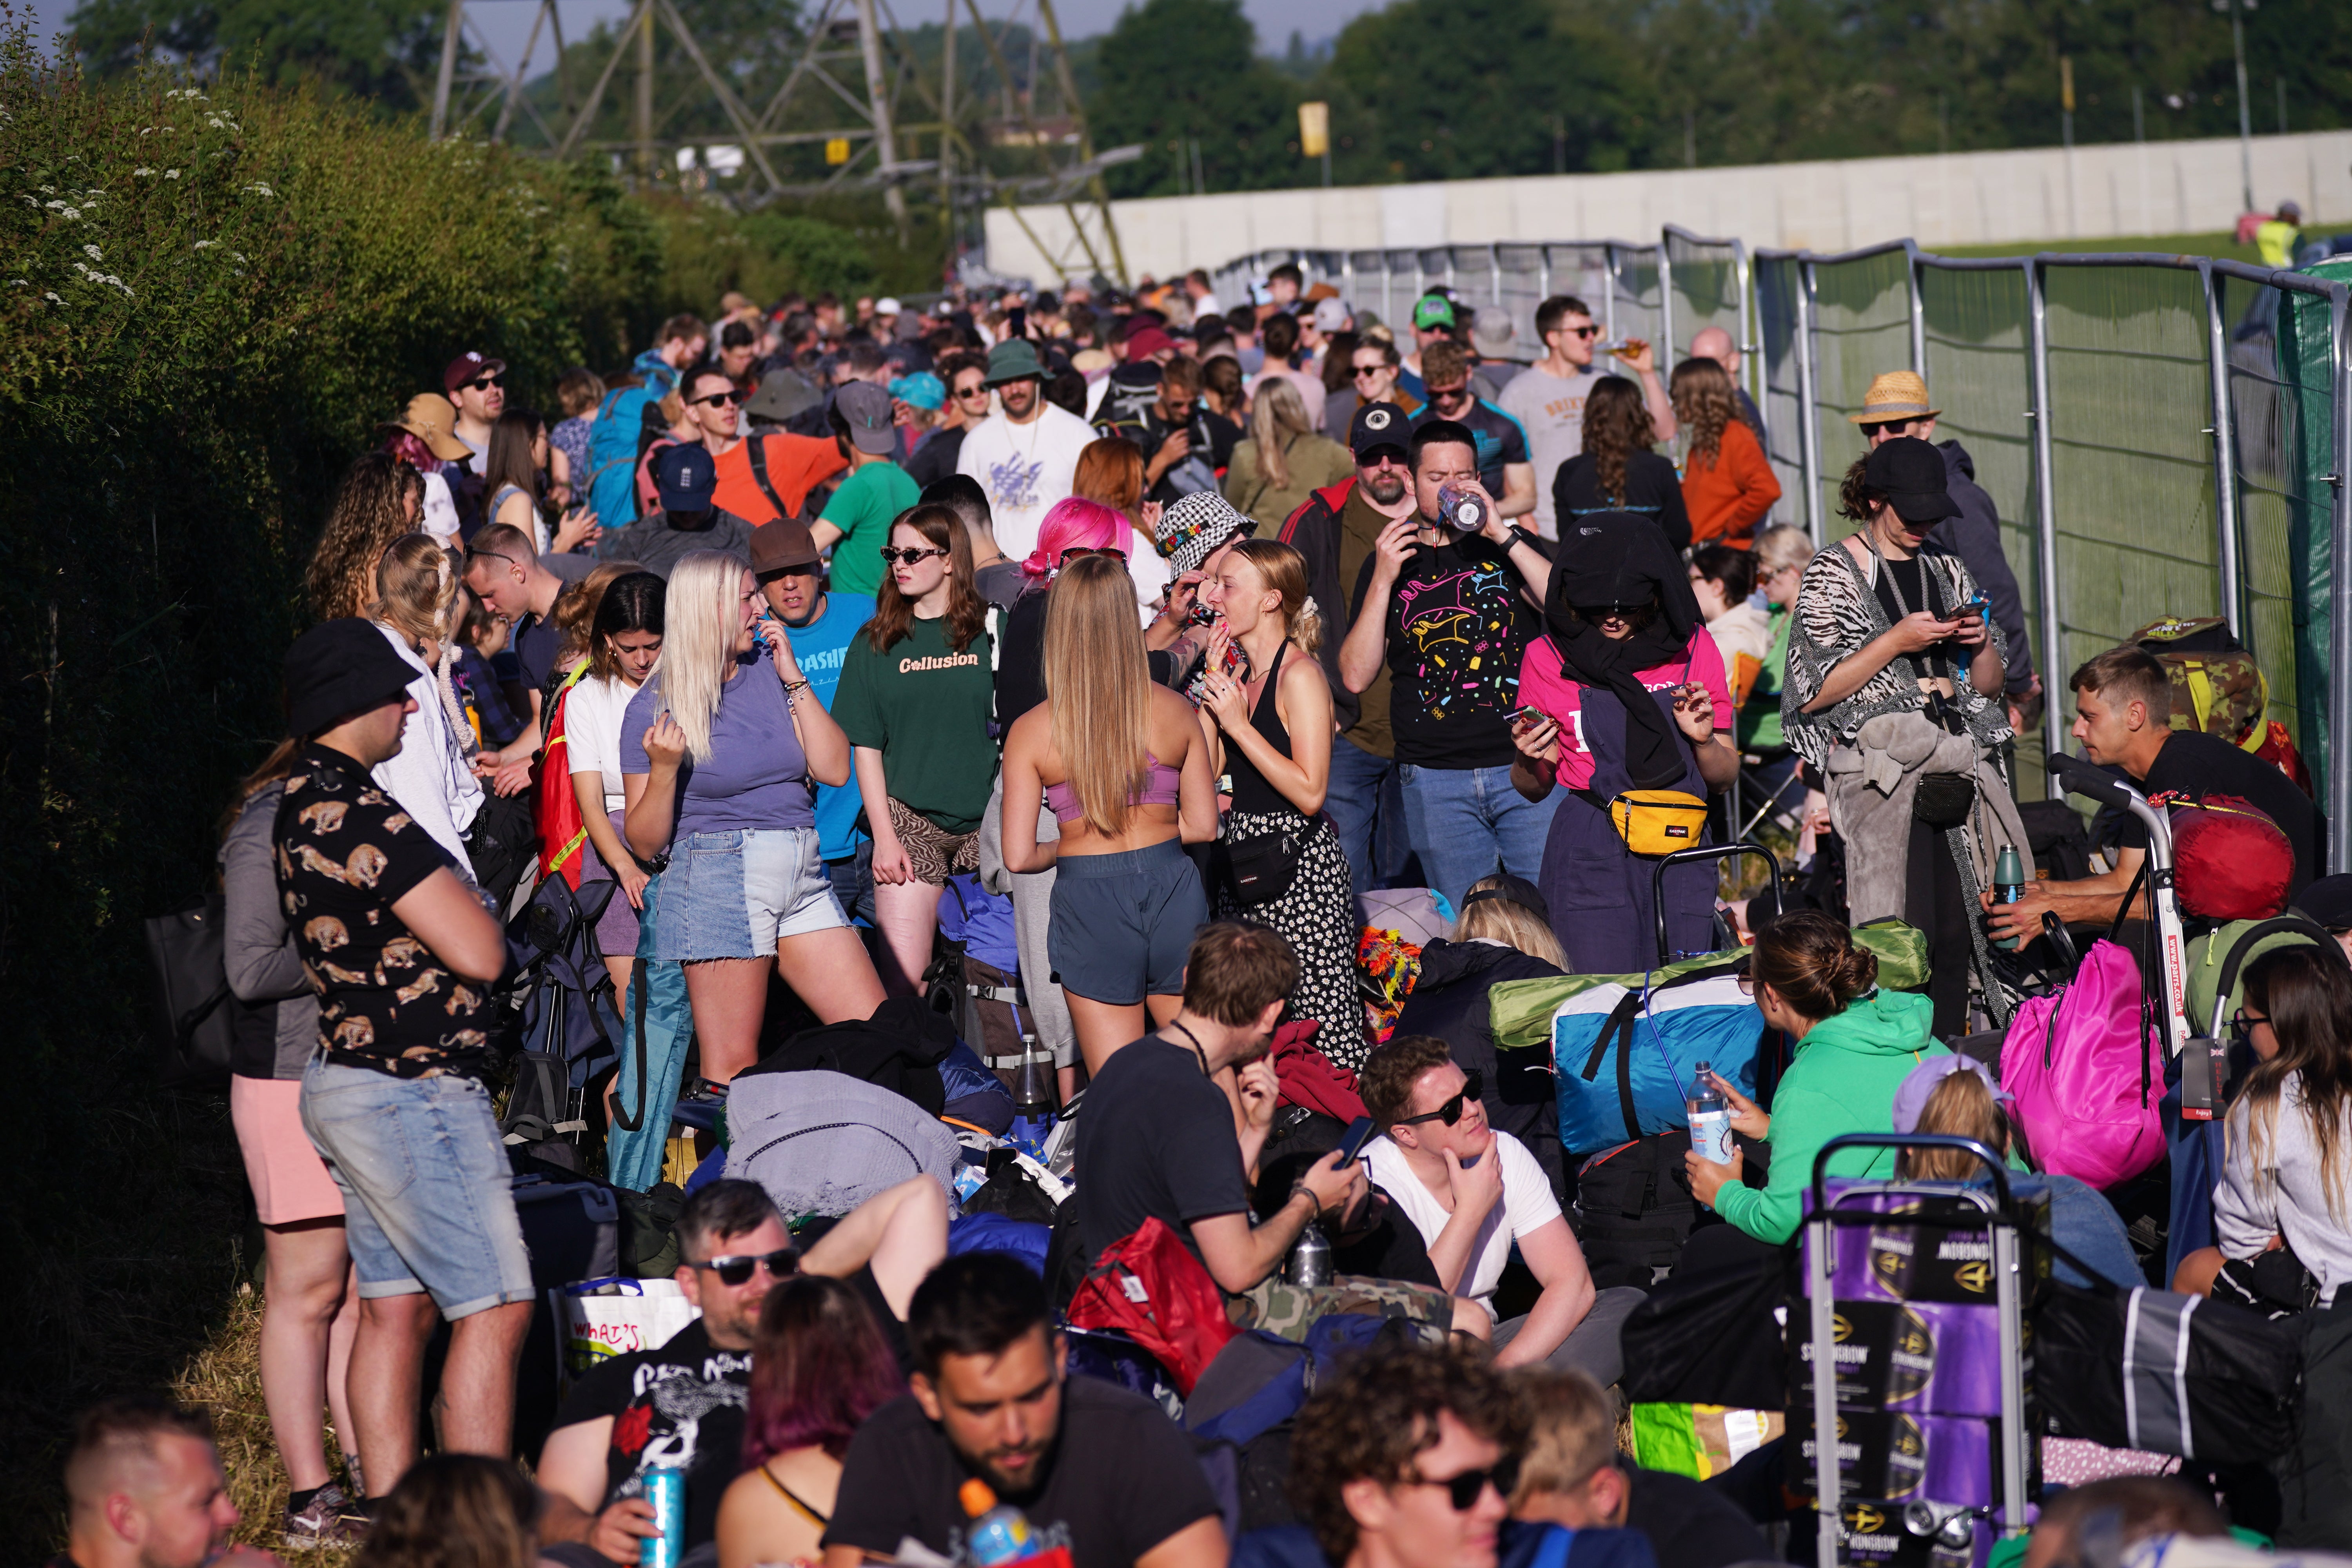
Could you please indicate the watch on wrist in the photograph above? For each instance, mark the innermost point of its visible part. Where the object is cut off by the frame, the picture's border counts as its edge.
(1521, 536)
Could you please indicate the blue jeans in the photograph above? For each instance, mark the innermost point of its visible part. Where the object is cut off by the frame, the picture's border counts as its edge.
(1463, 822)
(633, 1159)
(853, 883)
(1366, 804)
(428, 1193)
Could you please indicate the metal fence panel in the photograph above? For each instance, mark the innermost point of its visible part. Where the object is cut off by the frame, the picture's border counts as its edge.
(1778, 277)
(2272, 398)
(1636, 300)
(1861, 328)
(1523, 273)
(1710, 286)
(1368, 288)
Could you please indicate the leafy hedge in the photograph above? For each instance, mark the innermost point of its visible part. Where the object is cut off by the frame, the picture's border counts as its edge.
(209, 298)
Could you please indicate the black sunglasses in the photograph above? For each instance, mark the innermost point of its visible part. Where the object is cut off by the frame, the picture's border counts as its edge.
(1450, 1112)
(729, 395)
(1448, 393)
(1583, 331)
(781, 1264)
(1464, 1489)
(908, 556)
(483, 383)
(1891, 426)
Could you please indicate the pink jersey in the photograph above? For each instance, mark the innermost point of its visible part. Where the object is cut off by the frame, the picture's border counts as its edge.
(1542, 686)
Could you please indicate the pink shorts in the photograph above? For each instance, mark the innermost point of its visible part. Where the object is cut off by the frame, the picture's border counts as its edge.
(290, 1181)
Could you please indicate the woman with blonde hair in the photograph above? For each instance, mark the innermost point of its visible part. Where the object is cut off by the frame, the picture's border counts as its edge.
(918, 688)
(381, 499)
(1122, 764)
(1728, 486)
(432, 776)
(720, 752)
(1284, 459)
(1269, 723)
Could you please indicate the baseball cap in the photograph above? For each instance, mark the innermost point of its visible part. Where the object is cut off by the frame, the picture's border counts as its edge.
(340, 667)
(1379, 425)
(469, 366)
(1330, 315)
(1432, 311)
(887, 306)
(2329, 902)
(1512, 890)
(1910, 473)
(686, 477)
(867, 408)
(1145, 341)
(780, 545)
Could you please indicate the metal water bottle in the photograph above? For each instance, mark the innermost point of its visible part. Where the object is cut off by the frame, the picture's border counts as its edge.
(2008, 887)
(1710, 1118)
(665, 1490)
(1310, 1257)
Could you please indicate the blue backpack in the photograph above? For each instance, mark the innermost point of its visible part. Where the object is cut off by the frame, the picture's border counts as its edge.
(615, 439)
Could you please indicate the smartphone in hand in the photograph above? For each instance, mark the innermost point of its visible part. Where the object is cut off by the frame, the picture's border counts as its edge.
(1359, 1132)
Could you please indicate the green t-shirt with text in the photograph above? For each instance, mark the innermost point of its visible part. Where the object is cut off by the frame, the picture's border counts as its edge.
(864, 506)
(925, 707)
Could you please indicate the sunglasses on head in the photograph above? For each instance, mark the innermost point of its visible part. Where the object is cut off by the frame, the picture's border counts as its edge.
(484, 383)
(1450, 1112)
(1077, 549)
(729, 395)
(1464, 1489)
(908, 556)
(737, 1270)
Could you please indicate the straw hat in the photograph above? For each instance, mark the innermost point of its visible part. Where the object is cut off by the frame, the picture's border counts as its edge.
(1899, 395)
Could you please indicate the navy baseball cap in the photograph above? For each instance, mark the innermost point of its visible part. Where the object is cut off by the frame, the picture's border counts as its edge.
(1378, 425)
(686, 477)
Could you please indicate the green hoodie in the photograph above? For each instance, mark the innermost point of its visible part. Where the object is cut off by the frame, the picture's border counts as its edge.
(1843, 1080)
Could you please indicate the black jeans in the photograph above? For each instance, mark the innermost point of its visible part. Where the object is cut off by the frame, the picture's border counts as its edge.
(1933, 901)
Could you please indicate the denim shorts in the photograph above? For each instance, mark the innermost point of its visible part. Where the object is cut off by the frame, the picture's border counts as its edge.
(428, 1193)
(1122, 924)
(736, 894)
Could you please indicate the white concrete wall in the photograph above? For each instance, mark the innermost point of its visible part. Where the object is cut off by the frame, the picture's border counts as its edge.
(2024, 197)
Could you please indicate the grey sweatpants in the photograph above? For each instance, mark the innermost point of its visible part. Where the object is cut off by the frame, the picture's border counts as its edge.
(1033, 910)
(1595, 1346)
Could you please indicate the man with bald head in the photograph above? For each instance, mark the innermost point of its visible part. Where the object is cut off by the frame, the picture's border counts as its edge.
(1715, 344)
(146, 1491)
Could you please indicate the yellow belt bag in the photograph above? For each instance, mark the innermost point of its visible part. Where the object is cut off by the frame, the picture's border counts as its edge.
(1658, 821)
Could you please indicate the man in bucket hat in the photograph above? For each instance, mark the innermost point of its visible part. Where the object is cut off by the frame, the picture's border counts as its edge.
(1025, 454)
(1898, 404)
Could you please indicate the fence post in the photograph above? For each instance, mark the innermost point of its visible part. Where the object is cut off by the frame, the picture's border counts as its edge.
(1543, 289)
(1348, 276)
(1495, 267)
(1666, 355)
(1609, 290)
(1918, 309)
(1809, 436)
(2339, 628)
(2045, 514)
(2225, 447)
(1750, 354)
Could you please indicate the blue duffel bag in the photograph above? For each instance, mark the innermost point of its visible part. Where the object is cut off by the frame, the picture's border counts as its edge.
(1626, 1048)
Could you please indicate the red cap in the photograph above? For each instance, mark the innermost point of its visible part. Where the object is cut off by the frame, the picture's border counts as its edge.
(469, 366)
(1145, 341)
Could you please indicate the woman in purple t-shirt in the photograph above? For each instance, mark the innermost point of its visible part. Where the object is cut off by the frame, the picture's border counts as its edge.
(720, 754)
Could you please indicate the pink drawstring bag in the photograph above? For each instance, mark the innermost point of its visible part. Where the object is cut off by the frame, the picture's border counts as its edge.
(2085, 1074)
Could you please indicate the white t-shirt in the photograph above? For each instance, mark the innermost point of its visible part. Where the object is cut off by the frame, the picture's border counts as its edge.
(1551, 411)
(1025, 468)
(429, 775)
(591, 729)
(440, 514)
(1527, 1205)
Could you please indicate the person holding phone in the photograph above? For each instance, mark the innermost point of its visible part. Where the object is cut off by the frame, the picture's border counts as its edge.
(1895, 678)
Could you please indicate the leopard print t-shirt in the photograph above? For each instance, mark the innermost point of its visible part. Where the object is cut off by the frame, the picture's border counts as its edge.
(346, 853)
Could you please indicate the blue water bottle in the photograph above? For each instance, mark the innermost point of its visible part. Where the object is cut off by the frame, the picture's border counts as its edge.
(666, 1489)
(1000, 1532)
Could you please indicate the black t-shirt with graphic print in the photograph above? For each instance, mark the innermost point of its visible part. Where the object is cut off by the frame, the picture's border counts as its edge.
(681, 1406)
(346, 853)
(1457, 627)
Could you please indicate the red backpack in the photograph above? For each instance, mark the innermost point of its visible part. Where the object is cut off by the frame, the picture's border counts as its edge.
(1150, 1287)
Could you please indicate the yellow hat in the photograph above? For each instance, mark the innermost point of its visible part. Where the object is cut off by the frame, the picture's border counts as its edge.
(1897, 395)
(432, 419)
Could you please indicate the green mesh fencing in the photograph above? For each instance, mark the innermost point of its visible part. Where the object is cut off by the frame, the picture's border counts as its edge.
(1862, 329)
(1708, 281)
(1777, 279)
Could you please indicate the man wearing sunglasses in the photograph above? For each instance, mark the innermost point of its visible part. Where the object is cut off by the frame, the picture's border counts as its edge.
(1504, 466)
(681, 1404)
(1548, 397)
(1405, 1460)
(1474, 1193)
(477, 387)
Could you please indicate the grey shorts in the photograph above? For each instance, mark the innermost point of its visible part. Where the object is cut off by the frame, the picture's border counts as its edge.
(1122, 923)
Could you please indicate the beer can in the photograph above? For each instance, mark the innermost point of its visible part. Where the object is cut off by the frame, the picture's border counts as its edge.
(666, 1489)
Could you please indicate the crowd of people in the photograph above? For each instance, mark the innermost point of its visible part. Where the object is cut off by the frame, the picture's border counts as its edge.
(1179, 631)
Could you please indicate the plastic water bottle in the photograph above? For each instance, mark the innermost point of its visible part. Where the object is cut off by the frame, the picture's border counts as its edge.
(1710, 1118)
(1460, 510)
(1310, 1257)
(2008, 887)
(665, 1490)
(1033, 1099)
(999, 1534)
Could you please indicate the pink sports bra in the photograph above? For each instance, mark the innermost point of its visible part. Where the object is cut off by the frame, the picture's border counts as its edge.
(1159, 788)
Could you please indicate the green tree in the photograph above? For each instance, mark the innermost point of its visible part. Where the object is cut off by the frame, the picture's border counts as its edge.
(386, 50)
(1172, 70)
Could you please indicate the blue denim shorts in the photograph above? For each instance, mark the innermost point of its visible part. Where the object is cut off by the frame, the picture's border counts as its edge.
(428, 1193)
(1122, 924)
(736, 894)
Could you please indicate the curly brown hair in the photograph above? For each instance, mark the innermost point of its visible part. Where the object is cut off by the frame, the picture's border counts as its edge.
(1616, 426)
(1379, 1411)
(366, 517)
(1703, 406)
(1856, 499)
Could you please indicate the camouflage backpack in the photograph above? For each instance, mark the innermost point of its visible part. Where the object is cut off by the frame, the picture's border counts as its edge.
(2217, 688)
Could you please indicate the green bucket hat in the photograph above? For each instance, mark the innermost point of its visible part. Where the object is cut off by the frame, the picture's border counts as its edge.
(1015, 359)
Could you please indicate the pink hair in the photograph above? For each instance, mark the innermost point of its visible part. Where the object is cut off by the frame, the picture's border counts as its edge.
(820, 1366)
(1074, 525)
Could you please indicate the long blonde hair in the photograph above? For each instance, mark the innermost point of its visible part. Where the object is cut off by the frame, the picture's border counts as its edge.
(701, 614)
(1099, 687)
(414, 586)
(1962, 1106)
(1282, 569)
(1277, 417)
(1505, 921)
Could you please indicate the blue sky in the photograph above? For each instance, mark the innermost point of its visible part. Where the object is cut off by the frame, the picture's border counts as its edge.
(507, 23)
